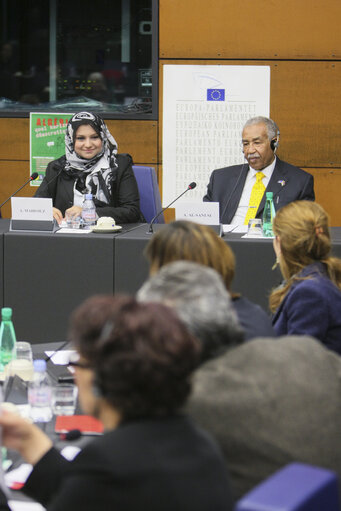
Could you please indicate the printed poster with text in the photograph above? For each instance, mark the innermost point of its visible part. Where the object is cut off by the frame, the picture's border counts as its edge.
(47, 141)
(204, 110)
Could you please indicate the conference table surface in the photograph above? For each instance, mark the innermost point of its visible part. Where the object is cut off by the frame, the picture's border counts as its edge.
(46, 275)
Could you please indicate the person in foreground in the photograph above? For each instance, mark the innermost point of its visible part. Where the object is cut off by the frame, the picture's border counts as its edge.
(240, 189)
(91, 164)
(189, 241)
(133, 373)
(268, 402)
(309, 302)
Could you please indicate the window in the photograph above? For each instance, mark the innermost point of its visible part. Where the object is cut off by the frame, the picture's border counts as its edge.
(68, 55)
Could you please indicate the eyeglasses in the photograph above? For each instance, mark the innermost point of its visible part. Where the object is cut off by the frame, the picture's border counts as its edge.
(74, 362)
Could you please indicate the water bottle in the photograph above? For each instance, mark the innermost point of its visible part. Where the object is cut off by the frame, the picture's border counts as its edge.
(89, 212)
(268, 215)
(7, 338)
(40, 393)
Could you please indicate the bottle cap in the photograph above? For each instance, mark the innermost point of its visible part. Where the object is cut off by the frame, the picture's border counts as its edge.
(39, 365)
(88, 196)
(6, 313)
(269, 195)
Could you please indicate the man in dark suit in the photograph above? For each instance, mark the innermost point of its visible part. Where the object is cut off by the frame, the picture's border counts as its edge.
(232, 186)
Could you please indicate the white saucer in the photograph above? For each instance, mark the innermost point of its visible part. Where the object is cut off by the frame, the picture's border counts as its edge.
(106, 230)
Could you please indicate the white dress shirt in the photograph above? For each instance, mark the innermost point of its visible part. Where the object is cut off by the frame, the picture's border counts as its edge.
(243, 205)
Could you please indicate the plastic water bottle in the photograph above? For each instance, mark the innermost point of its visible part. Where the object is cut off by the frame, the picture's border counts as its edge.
(40, 393)
(7, 338)
(268, 215)
(89, 212)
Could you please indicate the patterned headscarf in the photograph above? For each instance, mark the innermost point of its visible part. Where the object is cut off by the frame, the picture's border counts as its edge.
(96, 175)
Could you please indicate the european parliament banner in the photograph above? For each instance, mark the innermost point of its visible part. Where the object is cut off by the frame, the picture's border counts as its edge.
(47, 135)
(204, 110)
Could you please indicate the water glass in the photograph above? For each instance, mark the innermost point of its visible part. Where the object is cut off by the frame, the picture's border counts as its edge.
(64, 398)
(73, 222)
(255, 228)
(22, 365)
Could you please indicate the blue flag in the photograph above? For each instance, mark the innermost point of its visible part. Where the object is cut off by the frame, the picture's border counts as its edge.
(215, 94)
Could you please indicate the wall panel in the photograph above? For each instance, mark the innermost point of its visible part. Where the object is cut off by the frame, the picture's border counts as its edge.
(266, 29)
(139, 138)
(305, 102)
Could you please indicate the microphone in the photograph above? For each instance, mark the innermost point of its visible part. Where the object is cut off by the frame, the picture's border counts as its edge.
(231, 194)
(191, 186)
(32, 178)
(73, 434)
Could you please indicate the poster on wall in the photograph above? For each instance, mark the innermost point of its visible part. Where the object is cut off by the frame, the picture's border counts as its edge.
(47, 141)
(204, 110)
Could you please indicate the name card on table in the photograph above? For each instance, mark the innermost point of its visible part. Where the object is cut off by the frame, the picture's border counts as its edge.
(206, 213)
(31, 214)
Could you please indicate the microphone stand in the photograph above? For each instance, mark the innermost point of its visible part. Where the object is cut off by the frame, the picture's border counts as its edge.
(150, 230)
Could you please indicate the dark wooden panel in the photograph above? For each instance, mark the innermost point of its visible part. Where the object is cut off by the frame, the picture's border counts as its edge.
(306, 103)
(327, 191)
(139, 138)
(13, 174)
(290, 29)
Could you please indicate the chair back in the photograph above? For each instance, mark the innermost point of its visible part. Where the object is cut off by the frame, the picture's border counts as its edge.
(296, 487)
(150, 200)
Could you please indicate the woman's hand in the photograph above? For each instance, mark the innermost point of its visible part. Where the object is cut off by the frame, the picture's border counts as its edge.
(24, 437)
(57, 214)
(73, 212)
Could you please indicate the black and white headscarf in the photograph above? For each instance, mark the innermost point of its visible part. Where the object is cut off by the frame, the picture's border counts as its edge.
(96, 175)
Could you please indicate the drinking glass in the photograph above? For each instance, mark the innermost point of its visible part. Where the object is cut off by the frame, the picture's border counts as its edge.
(64, 399)
(255, 228)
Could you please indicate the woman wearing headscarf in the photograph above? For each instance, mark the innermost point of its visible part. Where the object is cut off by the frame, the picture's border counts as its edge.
(91, 164)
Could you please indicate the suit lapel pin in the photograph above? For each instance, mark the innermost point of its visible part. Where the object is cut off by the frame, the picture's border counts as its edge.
(281, 182)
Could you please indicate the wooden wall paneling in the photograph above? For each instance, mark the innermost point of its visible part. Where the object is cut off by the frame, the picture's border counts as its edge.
(304, 101)
(14, 139)
(12, 175)
(327, 191)
(290, 29)
(139, 138)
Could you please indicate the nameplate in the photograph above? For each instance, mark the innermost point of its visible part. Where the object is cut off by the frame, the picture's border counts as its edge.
(206, 213)
(31, 214)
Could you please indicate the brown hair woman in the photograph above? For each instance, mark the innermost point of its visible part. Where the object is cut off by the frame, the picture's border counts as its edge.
(189, 241)
(309, 301)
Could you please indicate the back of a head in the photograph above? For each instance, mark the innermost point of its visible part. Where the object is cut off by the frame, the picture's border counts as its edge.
(133, 349)
(199, 296)
(188, 241)
(303, 228)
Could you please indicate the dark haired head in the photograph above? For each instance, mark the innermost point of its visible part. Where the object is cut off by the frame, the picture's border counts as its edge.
(141, 354)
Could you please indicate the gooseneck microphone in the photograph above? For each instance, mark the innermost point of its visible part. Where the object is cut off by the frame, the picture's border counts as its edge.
(32, 178)
(191, 186)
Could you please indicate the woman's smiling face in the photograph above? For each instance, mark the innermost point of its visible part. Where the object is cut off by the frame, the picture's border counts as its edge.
(87, 142)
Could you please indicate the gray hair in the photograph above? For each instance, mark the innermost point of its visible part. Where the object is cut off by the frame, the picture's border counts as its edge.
(271, 126)
(200, 298)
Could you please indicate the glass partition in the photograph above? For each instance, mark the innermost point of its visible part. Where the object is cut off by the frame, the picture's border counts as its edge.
(73, 55)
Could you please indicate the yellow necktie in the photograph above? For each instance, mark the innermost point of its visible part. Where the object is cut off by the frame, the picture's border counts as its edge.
(257, 193)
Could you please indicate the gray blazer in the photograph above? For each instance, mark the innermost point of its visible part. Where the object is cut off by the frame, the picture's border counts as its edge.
(269, 402)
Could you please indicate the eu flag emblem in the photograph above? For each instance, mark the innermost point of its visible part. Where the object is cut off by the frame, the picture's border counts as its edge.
(215, 94)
